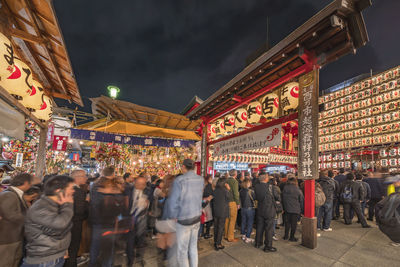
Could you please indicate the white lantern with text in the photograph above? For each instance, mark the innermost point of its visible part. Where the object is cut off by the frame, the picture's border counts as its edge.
(211, 131)
(290, 97)
(46, 109)
(240, 118)
(254, 112)
(6, 57)
(229, 121)
(33, 100)
(220, 127)
(270, 105)
(19, 83)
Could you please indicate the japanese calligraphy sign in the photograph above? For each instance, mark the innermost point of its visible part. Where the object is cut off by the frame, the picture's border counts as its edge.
(229, 122)
(263, 138)
(270, 105)
(240, 118)
(290, 97)
(6, 57)
(254, 112)
(308, 126)
(60, 143)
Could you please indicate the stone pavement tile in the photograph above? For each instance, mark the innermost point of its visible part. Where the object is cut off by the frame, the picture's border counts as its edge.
(341, 264)
(367, 253)
(218, 259)
(331, 248)
(375, 235)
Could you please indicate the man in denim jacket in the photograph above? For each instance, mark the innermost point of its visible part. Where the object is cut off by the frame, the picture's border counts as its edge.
(184, 205)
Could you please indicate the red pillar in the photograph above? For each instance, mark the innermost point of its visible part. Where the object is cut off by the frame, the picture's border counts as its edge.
(309, 198)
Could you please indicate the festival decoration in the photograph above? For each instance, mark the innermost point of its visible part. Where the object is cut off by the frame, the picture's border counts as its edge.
(229, 122)
(211, 131)
(220, 127)
(33, 100)
(6, 57)
(254, 112)
(290, 97)
(240, 118)
(45, 111)
(270, 105)
(19, 82)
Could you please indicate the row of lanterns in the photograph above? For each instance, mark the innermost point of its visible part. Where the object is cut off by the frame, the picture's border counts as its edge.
(376, 80)
(335, 165)
(256, 159)
(16, 78)
(267, 107)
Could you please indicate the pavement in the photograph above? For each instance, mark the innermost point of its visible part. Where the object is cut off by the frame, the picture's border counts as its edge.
(346, 245)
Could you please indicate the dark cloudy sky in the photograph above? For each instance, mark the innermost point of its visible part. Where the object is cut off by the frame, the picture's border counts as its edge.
(162, 53)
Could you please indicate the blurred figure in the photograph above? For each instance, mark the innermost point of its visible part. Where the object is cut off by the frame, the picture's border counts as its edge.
(247, 198)
(367, 188)
(255, 179)
(340, 178)
(48, 224)
(234, 205)
(81, 212)
(220, 211)
(267, 198)
(184, 205)
(352, 194)
(293, 205)
(108, 206)
(207, 207)
(31, 195)
(128, 178)
(375, 182)
(139, 204)
(325, 211)
(331, 175)
(12, 212)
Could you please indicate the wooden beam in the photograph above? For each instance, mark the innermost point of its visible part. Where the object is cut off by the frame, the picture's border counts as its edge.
(26, 36)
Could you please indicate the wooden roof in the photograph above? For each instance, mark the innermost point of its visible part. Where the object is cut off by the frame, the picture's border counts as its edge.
(38, 41)
(336, 30)
(126, 111)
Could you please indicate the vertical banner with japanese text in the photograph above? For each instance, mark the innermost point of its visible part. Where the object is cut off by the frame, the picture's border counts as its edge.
(204, 153)
(308, 126)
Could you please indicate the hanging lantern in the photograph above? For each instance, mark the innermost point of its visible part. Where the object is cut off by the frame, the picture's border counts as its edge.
(46, 109)
(229, 122)
(33, 100)
(211, 131)
(240, 118)
(270, 105)
(254, 112)
(6, 57)
(290, 97)
(19, 83)
(220, 127)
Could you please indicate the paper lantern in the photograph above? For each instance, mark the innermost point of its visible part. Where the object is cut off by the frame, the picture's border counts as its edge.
(254, 112)
(220, 127)
(211, 131)
(46, 109)
(290, 97)
(270, 105)
(229, 121)
(19, 83)
(240, 118)
(6, 57)
(33, 100)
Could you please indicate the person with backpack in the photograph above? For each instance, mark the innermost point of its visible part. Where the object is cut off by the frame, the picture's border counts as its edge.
(351, 195)
(367, 188)
(247, 198)
(340, 178)
(319, 197)
(388, 214)
(325, 211)
(293, 205)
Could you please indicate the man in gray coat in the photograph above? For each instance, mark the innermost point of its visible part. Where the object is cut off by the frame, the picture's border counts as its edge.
(48, 224)
(12, 216)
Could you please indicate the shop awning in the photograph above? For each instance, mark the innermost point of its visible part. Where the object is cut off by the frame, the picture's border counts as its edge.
(130, 128)
(12, 122)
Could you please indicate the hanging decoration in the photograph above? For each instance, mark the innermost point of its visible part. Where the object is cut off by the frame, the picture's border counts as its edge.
(240, 118)
(290, 97)
(254, 112)
(229, 122)
(45, 111)
(19, 82)
(6, 57)
(270, 106)
(34, 99)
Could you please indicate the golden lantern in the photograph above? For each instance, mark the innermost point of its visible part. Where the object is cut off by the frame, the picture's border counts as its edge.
(34, 99)
(229, 122)
(19, 83)
(254, 112)
(240, 118)
(46, 109)
(6, 57)
(290, 97)
(270, 105)
(211, 131)
(220, 127)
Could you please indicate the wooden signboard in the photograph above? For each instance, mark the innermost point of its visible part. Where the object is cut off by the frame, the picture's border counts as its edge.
(308, 126)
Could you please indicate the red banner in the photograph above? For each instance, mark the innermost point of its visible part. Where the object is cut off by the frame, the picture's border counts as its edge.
(60, 143)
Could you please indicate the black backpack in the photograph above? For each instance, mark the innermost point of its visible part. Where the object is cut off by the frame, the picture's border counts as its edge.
(387, 211)
(347, 194)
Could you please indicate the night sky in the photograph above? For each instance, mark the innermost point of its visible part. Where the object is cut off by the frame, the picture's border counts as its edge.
(162, 53)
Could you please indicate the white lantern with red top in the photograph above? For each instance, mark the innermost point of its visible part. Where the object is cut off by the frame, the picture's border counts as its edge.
(254, 112)
(290, 97)
(240, 118)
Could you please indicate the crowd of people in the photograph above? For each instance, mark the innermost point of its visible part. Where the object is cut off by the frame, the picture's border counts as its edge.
(53, 222)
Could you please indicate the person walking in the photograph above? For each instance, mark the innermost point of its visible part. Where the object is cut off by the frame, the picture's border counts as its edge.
(12, 213)
(48, 224)
(352, 194)
(220, 211)
(268, 199)
(325, 211)
(247, 198)
(234, 205)
(81, 212)
(184, 206)
(367, 188)
(293, 205)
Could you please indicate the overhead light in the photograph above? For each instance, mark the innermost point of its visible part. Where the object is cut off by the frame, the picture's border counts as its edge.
(158, 163)
(140, 160)
(67, 160)
(70, 141)
(5, 139)
(113, 91)
(134, 163)
(81, 142)
(169, 166)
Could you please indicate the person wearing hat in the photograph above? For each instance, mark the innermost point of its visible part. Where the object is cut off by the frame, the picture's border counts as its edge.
(184, 206)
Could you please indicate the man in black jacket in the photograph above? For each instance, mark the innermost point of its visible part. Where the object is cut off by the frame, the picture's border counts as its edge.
(340, 178)
(267, 198)
(377, 193)
(325, 211)
(352, 193)
(81, 211)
